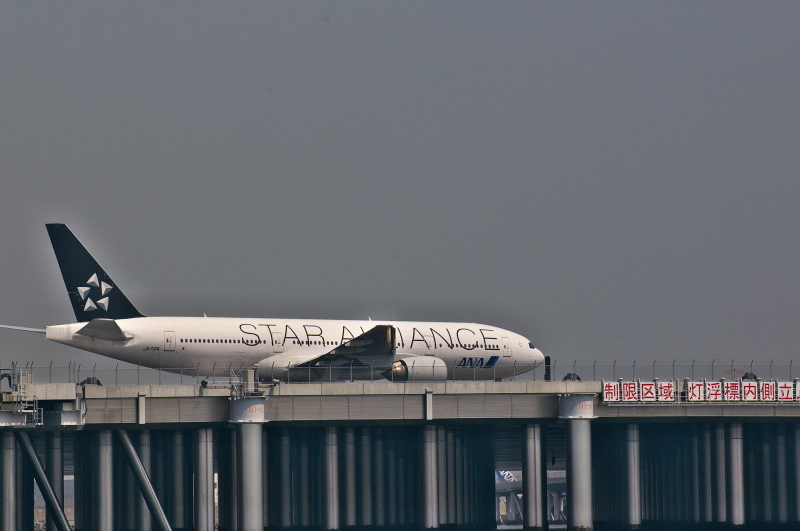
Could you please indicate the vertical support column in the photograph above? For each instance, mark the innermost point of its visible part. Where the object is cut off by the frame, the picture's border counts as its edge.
(143, 517)
(286, 479)
(441, 451)
(229, 506)
(331, 478)
(695, 474)
(782, 492)
(458, 473)
(83, 466)
(797, 471)
(249, 469)
(707, 493)
(391, 482)
(350, 476)
(430, 499)
(8, 482)
(380, 487)
(578, 410)
(533, 479)
(105, 481)
(302, 488)
(721, 505)
(177, 505)
(634, 519)
(365, 499)
(579, 474)
(736, 473)
(55, 470)
(451, 476)
(766, 471)
(204, 480)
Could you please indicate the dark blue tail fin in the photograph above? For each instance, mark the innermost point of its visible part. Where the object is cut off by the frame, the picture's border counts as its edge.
(91, 291)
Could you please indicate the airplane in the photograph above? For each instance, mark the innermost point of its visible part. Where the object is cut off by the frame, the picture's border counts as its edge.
(279, 349)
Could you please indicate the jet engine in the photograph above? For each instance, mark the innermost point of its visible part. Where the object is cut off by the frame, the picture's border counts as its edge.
(417, 369)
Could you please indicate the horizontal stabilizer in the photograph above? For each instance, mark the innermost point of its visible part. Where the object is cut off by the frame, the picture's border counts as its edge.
(37, 330)
(105, 329)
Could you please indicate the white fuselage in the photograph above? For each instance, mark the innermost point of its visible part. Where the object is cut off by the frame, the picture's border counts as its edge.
(209, 345)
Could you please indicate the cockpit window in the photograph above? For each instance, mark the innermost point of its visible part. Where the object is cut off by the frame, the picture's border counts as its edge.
(530, 344)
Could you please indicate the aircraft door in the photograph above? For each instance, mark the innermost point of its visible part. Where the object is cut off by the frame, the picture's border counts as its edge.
(506, 347)
(277, 342)
(430, 346)
(169, 341)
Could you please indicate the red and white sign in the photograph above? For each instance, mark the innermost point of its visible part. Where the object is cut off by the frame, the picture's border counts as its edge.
(629, 392)
(749, 391)
(702, 391)
(666, 391)
(610, 392)
(714, 391)
(767, 391)
(694, 391)
(733, 390)
(785, 391)
(648, 391)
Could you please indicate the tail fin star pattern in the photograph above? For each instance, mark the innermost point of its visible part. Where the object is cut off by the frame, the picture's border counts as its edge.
(91, 291)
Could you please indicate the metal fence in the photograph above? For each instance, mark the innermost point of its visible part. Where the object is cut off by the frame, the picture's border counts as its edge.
(228, 374)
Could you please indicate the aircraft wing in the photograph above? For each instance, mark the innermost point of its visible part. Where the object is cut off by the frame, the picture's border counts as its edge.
(106, 329)
(375, 342)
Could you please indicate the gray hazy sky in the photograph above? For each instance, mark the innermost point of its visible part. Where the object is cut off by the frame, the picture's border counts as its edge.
(612, 180)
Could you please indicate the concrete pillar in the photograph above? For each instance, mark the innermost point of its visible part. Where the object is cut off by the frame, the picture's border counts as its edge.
(781, 469)
(391, 482)
(303, 487)
(177, 503)
(797, 471)
(83, 466)
(55, 470)
(204, 480)
(766, 472)
(143, 517)
(634, 516)
(579, 474)
(249, 472)
(365, 479)
(460, 491)
(331, 478)
(451, 476)
(105, 481)
(379, 466)
(265, 473)
(707, 477)
(402, 485)
(532, 478)
(736, 473)
(430, 493)
(350, 476)
(8, 480)
(441, 474)
(286, 478)
(695, 474)
(720, 475)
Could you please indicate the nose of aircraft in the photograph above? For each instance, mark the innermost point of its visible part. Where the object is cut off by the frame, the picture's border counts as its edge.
(537, 358)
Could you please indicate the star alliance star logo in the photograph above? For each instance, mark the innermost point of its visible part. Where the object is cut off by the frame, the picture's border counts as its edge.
(84, 292)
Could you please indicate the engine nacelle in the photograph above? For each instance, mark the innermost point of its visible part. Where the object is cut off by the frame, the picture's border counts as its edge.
(267, 369)
(417, 369)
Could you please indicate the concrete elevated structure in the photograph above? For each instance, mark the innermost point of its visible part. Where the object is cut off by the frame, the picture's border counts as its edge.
(381, 454)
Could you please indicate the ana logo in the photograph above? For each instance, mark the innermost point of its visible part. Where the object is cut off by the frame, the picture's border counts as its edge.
(85, 291)
(478, 362)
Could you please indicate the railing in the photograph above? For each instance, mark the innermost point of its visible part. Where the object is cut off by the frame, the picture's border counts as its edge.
(229, 374)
